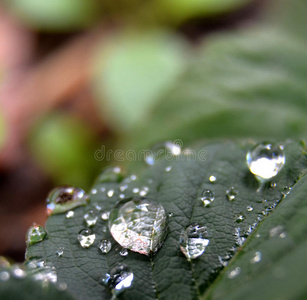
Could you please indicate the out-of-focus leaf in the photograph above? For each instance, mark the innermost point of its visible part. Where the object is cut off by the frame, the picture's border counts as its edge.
(246, 84)
(168, 274)
(64, 147)
(55, 14)
(133, 72)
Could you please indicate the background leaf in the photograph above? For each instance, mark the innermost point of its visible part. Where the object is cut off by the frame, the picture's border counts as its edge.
(168, 274)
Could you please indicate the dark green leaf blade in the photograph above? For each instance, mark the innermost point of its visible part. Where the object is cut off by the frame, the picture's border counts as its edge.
(168, 274)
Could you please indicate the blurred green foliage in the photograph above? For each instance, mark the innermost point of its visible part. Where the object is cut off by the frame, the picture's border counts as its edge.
(64, 146)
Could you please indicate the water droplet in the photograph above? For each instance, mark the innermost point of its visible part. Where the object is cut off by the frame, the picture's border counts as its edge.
(168, 169)
(122, 188)
(62, 286)
(119, 279)
(41, 271)
(167, 149)
(193, 241)
(286, 191)
(122, 196)
(138, 224)
(98, 207)
(105, 246)
(90, 218)
(105, 216)
(231, 193)
(62, 199)
(277, 231)
(249, 208)
(94, 191)
(35, 234)
(238, 238)
(135, 190)
(170, 214)
(70, 214)
(240, 218)
(265, 160)
(103, 189)
(60, 251)
(110, 193)
(124, 252)
(110, 175)
(4, 276)
(17, 272)
(212, 178)
(133, 177)
(207, 197)
(86, 238)
(257, 257)
(104, 228)
(273, 184)
(234, 273)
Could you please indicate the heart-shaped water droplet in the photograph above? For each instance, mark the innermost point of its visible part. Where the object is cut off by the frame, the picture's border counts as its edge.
(138, 224)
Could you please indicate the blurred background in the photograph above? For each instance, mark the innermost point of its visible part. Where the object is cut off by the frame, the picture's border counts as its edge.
(81, 76)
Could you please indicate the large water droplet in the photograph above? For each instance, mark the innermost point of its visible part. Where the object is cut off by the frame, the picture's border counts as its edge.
(105, 246)
(207, 197)
(86, 238)
(119, 279)
(138, 224)
(265, 160)
(231, 193)
(35, 234)
(62, 199)
(193, 241)
(90, 218)
(167, 149)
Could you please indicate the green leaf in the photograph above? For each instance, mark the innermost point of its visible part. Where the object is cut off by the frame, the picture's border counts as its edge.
(64, 147)
(280, 242)
(168, 274)
(132, 73)
(25, 288)
(248, 84)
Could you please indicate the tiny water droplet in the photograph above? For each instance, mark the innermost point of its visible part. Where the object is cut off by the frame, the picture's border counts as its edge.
(119, 279)
(265, 160)
(133, 177)
(234, 273)
(168, 169)
(90, 218)
(277, 231)
(273, 184)
(103, 189)
(98, 207)
(257, 257)
(104, 228)
(167, 149)
(286, 191)
(207, 197)
(240, 218)
(170, 214)
(249, 208)
(17, 272)
(110, 193)
(36, 233)
(70, 214)
(122, 188)
(238, 237)
(105, 246)
(60, 251)
(86, 238)
(4, 276)
(138, 224)
(41, 271)
(62, 286)
(105, 215)
(193, 241)
(122, 196)
(94, 191)
(62, 199)
(135, 190)
(231, 193)
(212, 178)
(124, 252)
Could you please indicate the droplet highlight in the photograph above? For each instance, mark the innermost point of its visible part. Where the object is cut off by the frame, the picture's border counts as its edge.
(90, 218)
(207, 197)
(231, 193)
(86, 238)
(105, 246)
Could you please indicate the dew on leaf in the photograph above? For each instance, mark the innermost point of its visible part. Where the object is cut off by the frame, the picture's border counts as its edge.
(123, 252)
(234, 273)
(193, 241)
(168, 169)
(86, 238)
(122, 188)
(240, 218)
(105, 215)
(256, 258)
(36, 233)
(122, 196)
(62, 199)
(118, 279)
(105, 246)
(60, 251)
(277, 231)
(18, 272)
(135, 190)
(249, 208)
(212, 178)
(265, 160)
(94, 191)
(70, 214)
(207, 197)
(138, 224)
(90, 218)
(110, 193)
(4, 276)
(41, 271)
(231, 193)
